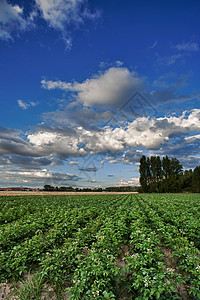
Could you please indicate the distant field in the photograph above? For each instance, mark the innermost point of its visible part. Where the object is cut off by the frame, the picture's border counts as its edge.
(102, 246)
(26, 193)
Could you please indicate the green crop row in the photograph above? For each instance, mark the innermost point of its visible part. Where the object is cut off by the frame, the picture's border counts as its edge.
(104, 246)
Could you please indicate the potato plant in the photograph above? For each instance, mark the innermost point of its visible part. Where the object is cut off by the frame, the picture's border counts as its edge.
(142, 246)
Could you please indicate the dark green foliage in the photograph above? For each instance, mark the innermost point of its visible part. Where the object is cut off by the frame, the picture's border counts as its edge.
(160, 176)
(143, 174)
(101, 246)
(196, 180)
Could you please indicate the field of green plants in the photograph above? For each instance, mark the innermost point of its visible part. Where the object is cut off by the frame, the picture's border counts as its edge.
(139, 246)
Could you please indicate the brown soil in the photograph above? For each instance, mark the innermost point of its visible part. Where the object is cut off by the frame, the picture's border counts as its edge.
(125, 251)
(170, 262)
(7, 291)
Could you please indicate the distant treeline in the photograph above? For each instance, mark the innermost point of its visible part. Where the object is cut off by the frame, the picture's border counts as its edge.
(166, 176)
(108, 189)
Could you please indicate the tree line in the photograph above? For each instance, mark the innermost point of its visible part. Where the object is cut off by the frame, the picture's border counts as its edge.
(50, 188)
(167, 176)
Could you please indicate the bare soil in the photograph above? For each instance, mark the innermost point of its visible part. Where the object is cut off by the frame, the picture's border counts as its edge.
(170, 262)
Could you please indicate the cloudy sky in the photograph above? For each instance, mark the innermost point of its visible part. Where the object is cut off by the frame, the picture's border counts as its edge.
(87, 87)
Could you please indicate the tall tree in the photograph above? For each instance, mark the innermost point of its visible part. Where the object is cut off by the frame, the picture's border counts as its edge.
(175, 167)
(159, 172)
(166, 172)
(160, 176)
(143, 173)
(153, 167)
(149, 176)
(196, 180)
(166, 166)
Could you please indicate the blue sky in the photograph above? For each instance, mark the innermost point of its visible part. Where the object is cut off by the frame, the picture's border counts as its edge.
(87, 87)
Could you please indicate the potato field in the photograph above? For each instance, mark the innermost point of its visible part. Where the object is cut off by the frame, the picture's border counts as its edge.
(136, 246)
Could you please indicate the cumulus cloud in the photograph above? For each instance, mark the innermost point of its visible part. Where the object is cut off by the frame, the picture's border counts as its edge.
(112, 87)
(39, 145)
(148, 133)
(186, 150)
(134, 181)
(36, 177)
(78, 116)
(47, 146)
(115, 93)
(144, 132)
(61, 144)
(128, 157)
(12, 143)
(29, 162)
(24, 105)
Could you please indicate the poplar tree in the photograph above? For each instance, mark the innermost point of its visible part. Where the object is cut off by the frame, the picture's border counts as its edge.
(196, 180)
(143, 173)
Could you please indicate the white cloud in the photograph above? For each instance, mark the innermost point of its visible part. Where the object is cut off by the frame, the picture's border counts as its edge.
(188, 121)
(73, 163)
(5, 34)
(148, 133)
(77, 115)
(12, 20)
(106, 65)
(62, 144)
(119, 63)
(50, 85)
(123, 144)
(114, 161)
(134, 181)
(112, 87)
(36, 178)
(128, 157)
(60, 14)
(28, 162)
(169, 60)
(24, 105)
(181, 51)
(193, 138)
(42, 138)
(191, 46)
(38, 174)
(18, 9)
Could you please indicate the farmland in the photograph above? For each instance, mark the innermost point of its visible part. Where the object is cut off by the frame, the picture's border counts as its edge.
(142, 246)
